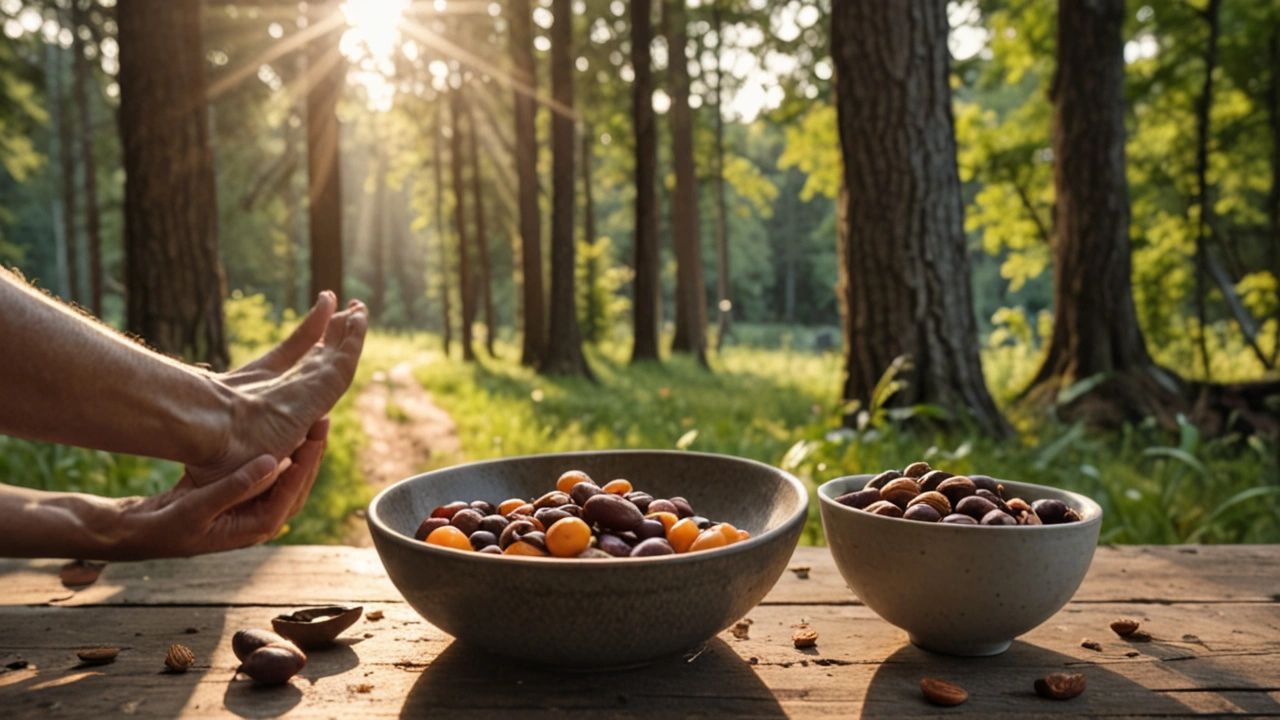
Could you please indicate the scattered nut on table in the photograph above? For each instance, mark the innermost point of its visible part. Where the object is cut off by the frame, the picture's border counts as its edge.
(741, 629)
(179, 658)
(97, 656)
(941, 692)
(1091, 644)
(374, 615)
(1124, 627)
(1060, 686)
(804, 637)
(267, 657)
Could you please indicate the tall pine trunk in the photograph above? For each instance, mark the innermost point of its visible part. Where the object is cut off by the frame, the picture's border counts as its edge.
(564, 346)
(326, 74)
(904, 271)
(174, 276)
(595, 315)
(83, 75)
(523, 69)
(647, 256)
(482, 238)
(725, 302)
(66, 131)
(437, 163)
(465, 288)
(691, 297)
(378, 241)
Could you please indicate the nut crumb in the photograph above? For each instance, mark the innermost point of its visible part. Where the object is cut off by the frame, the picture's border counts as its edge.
(1132, 654)
(741, 629)
(362, 688)
(374, 615)
(1091, 645)
(801, 571)
(804, 637)
(753, 660)
(192, 631)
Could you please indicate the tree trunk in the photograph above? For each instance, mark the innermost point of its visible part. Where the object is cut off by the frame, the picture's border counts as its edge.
(691, 296)
(326, 72)
(904, 271)
(595, 328)
(174, 275)
(725, 304)
(482, 238)
(1204, 224)
(564, 346)
(438, 168)
(61, 98)
(1273, 198)
(88, 163)
(406, 254)
(465, 289)
(648, 287)
(378, 244)
(526, 156)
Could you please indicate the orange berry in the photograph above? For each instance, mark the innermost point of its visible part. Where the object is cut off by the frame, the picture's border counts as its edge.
(710, 539)
(508, 505)
(449, 536)
(730, 532)
(743, 535)
(667, 519)
(682, 534)
(571, 478)
(617, 487)
(568, 537)
(521, 547)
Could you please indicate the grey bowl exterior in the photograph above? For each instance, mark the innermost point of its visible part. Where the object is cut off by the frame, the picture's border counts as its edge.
(586, 614)
(960, 589)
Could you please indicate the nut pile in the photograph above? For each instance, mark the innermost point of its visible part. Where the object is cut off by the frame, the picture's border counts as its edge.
(921, 493)
(579, 519)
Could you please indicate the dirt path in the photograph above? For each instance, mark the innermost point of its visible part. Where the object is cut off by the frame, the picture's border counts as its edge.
(405, 429)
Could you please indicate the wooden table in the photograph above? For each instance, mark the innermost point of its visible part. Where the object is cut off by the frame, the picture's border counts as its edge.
(1214, 612)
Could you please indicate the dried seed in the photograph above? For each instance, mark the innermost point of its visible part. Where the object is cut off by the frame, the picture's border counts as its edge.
(741, 629)
(1124, 626)
(179, 658)
(374, 615)
(1060, 686)
(801, 571)
(804, 637)
(97, 656)
(362, 688)
(941, 692)
(1091, 645)
(916, 469)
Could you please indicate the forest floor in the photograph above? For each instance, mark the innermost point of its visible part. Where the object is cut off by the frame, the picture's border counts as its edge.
(404, 429)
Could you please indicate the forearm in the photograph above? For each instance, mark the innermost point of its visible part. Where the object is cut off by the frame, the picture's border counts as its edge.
(69, 525)
(66, 379)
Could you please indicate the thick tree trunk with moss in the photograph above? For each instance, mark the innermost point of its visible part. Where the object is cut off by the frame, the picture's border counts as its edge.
(904, 271)
(174, 276)
(326, 73)
(523, 71)
(691, 296)
(564, 346)
(648, 286)
(465, 289)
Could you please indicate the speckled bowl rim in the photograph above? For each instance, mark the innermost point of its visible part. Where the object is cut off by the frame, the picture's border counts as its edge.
(799, 516)
(827, 497)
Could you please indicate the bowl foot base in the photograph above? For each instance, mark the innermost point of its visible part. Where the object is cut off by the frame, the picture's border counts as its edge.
(960, 649)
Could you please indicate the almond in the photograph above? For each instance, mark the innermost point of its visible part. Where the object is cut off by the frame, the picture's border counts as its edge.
(1060, 686)
(941, 692)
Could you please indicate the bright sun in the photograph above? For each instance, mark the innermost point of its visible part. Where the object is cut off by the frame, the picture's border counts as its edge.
(370, 42)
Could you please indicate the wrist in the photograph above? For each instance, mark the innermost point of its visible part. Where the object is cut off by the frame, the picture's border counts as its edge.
(212, 434)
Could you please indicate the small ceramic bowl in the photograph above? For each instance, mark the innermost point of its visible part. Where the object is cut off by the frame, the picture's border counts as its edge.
(593, 614)
(960, 589)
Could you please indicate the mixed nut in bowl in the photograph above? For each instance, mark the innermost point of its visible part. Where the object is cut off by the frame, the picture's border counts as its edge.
(588, 612)
(965, 586)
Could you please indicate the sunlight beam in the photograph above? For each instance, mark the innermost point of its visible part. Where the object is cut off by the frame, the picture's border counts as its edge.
(232, 78)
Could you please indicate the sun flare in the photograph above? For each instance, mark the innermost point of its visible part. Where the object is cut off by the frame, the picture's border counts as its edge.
(375, 27)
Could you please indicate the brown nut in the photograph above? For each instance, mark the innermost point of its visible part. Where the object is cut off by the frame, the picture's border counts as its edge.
(555, 498)
(1060, 686)
(428, 526)
(986, 482)
(804, 637)
(884, 507)
(859, 499)
(514, 531)
(883, 479)
(274, 664)
(523, 511)
(1091, 645)
(1124, 627)
(916, 470)
(994, 499)
(935, 500)
(900, 491)
(468, 521)
(97, 656)
(922, 512)
(612, 512)
(932, 479)
(998, 517)
(244, 642)
(179, 658)
(941, 692)
(975, 507)
(957, 489)
(958, 519)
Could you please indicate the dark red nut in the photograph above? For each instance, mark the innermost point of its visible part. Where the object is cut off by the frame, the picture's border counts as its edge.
(468, 521)
(571, 509)
(524, 511)
(957, 489)
(555, 498)
(428, 526)
(244, 642)
(640, 499)
(994, 499)
(975, 507)
(515, 531)
(986, 482)
(481, 539)
(448, 511)
(612, 512)
(958, 519)
(885, 508)
(860, 499)
(483, 507)
(491, 550)
(494, 524)
(537, 538)
(922, 512)
(592, 553)
(584, 491)
(883, 479)
(548, 516)
(1050, 511)
(683, 508)
(664, 506)
(652, 548)
(274, 664)
(651, 529)
(932, 479)
(997, 517)
(613, 545)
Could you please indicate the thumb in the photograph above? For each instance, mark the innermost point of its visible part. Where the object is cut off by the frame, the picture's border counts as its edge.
(250, 480)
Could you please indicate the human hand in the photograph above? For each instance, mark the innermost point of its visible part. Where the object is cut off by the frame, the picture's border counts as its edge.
(247, 507)
(281, 394)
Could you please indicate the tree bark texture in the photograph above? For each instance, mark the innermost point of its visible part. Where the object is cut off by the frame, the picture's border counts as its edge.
(1095, 327)
(485, 286)
(691, 296)
(378, 241)
(523, 69)
(88, 163)
(174, 277)
(594, 330)
(465, 288)
(564, 344)
(723, 286)
(647, 255)
(326, 75)
(904, 272)
(437, 163)
(66, 154)
(1204, 221)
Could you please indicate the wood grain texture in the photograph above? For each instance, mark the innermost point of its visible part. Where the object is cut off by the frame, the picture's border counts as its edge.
(1213, 613)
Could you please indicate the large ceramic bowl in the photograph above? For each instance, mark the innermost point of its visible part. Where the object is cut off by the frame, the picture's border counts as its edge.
(585, 614)
(960, 589)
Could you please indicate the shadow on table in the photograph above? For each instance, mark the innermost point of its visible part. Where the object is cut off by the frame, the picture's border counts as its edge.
(1004, 684)
(716, 682)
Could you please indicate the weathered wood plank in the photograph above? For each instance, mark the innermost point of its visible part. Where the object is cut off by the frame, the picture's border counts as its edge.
(861, 665)
(273, 575)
